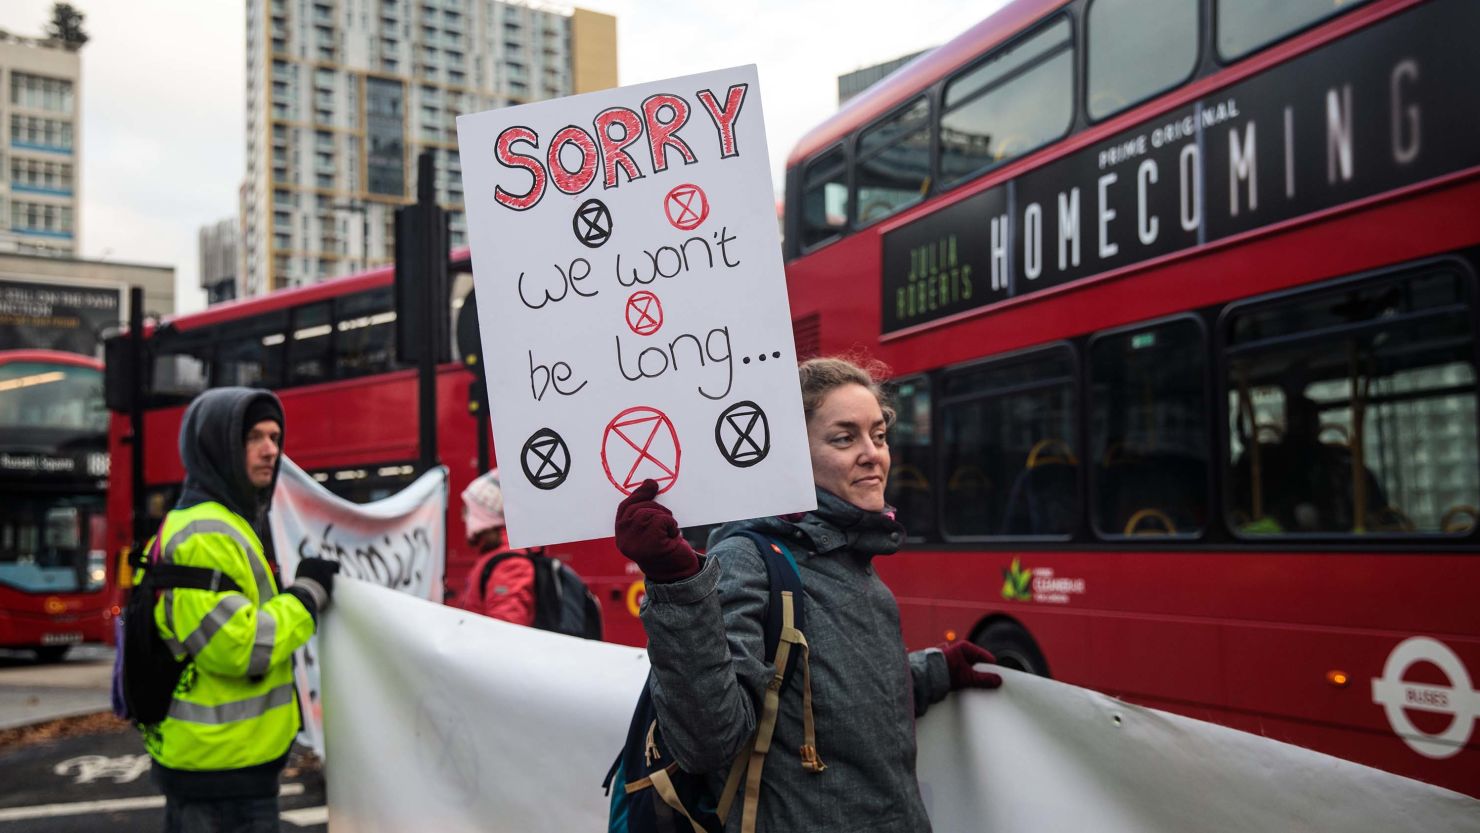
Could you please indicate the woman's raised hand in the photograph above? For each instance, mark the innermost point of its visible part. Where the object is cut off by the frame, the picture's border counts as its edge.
(648, 535)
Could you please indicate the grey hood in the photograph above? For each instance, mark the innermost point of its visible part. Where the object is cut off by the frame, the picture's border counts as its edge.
(214, 454)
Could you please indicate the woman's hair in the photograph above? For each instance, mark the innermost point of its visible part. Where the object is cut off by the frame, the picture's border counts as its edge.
(822, 376)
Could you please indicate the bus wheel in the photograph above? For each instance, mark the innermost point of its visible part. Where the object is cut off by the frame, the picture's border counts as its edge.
(52, 653)
(1013, 647)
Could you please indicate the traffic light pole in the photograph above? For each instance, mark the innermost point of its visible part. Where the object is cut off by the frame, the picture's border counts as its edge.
(422, 303)
(138, 377)
(434, 314)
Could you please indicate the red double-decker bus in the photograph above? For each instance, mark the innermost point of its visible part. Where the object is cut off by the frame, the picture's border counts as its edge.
(55, 578)
(1181, 302)
(329, 351)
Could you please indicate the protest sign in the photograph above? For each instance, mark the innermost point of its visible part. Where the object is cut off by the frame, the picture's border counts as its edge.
(632, 306)
(398, 542)
(483, 725)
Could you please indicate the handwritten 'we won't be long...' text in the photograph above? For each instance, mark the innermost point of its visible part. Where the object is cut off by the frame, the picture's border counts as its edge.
(636, 362)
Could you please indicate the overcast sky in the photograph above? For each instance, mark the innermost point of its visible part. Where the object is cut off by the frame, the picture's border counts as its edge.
(164, 109)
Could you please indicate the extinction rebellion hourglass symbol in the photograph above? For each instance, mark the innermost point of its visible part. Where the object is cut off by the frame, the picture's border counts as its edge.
(639, 444)
(687, 207)
(743, 434)
(644, 313)
(545, 459)
(592, 224)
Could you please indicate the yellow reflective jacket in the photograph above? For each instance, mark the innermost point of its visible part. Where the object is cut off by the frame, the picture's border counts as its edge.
(234, 706)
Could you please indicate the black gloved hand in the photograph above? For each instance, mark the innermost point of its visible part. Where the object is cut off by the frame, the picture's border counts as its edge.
(313, 583)
(321, 570)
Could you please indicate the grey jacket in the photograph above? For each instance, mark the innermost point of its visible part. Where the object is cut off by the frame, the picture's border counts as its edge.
(705, 639)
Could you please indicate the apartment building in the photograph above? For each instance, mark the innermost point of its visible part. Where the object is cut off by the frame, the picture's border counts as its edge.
(40, 85)
(344, 95)
(218, 260)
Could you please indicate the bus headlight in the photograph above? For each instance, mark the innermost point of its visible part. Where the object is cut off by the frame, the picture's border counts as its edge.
(97, 569)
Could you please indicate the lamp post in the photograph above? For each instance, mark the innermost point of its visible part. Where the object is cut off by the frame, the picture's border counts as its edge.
(359, 207)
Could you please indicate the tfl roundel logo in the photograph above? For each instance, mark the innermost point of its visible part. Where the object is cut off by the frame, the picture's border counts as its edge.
(1458, 699)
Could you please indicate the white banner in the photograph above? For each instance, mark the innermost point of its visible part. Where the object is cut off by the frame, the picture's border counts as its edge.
(441, 719)
(399, 542)
(444, 720)
(633, 307)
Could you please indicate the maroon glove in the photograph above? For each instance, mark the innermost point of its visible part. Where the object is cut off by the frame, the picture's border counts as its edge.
(647, 534)
(960, 657)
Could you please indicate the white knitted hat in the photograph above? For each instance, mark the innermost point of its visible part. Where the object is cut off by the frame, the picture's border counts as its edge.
(484, 501)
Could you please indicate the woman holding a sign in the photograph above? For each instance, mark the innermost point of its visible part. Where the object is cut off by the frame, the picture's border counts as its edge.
(851, 709)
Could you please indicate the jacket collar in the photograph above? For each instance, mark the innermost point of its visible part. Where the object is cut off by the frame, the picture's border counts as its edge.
(834, 525)
(837, 524)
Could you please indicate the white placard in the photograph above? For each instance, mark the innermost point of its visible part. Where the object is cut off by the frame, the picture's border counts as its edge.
(632, 306)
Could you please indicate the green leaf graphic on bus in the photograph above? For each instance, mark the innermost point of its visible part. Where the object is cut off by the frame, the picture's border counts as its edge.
(1017, 583)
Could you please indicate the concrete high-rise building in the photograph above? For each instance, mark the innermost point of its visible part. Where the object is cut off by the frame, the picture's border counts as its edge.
(344, 95)
(218, 260)
(40, 85)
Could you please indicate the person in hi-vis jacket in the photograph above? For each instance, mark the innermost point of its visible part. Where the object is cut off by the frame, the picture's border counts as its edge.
(219, 753)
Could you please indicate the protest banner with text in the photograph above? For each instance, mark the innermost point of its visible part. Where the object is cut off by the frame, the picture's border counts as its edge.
(399, 542)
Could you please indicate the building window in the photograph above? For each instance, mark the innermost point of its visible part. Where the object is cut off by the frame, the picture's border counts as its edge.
(41, 176)
(39, 92)
(40, 133)
(41, 218)
(385, 139)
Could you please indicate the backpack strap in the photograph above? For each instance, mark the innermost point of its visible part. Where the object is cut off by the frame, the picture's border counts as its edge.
(164, 576)
(548, 591)
(785, 645)
(663, 783)
(139, 561)
(167, 575)
(488, 567)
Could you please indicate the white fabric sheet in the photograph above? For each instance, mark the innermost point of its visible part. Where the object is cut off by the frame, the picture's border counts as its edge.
(440, 719)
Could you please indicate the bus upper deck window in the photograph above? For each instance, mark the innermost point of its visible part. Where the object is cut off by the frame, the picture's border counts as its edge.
(824, 198)
(181, 366)
(364, 333)
(1018, 99)
(893, 168)
(309, 348)
(1247, 25)
(1138, 48)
